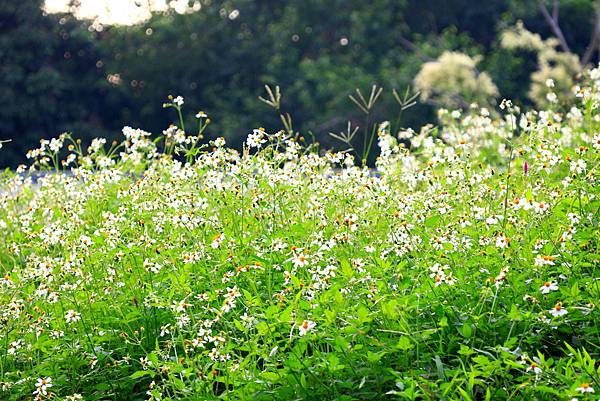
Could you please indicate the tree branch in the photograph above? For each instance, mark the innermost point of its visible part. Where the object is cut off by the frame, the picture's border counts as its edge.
(553, 22)
(412, 47)
(595, 39)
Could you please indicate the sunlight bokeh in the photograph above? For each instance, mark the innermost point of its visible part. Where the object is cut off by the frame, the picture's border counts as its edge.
(121, 12)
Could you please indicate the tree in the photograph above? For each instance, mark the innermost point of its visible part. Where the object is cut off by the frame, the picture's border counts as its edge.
(49, 77)
(62, 74)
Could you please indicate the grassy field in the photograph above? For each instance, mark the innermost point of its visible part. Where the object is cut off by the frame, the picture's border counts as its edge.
(465, 267)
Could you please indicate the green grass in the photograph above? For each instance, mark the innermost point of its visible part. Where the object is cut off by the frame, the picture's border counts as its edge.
(284, 273)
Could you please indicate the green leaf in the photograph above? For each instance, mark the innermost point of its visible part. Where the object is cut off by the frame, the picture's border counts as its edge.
(439, 367)
(270, 376)
(303, 380)
(363, 314)
(405, 344)
(549, 390)
(466, 351)
(271, 311)
(141, 373)
(263, 328)
(334, 362)
(330, 315)
(374, 357)
(286, 315)
(515, 313)
(466, 330)
(464, 394)
(574, 290)
(239, 325)
(347, 270)
(341, 344)
(389, 309)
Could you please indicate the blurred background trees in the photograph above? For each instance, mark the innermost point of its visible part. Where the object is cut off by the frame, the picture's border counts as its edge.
(59, 73)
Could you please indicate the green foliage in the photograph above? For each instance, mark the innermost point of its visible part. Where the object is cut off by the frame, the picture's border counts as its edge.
(559, 68)
(464, 268)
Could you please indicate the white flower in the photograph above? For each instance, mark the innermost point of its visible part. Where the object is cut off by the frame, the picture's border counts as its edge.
(548, 286)
(501, 277)
(534, 366)
(178, 101)
(585, 388)
(216, 241)
(42, 385)
(179, 136)
(502, 241)
(164, 330)
(233, 292)
(201, 114)
(170, 132)
(440, 276)
(544, 260)
(525, 204)
(305, 327)
(540, 207)
(491, 220)
(573, 218)
(300, 260)
(220, 142)
(71, 316)
(151, 266)
(256, 139)
(55, 144)
(579, 166)
(558, 310)
(85, 240)
(506, 104)
(96, 145)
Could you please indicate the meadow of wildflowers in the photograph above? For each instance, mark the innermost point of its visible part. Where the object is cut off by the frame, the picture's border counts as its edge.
(464, 267)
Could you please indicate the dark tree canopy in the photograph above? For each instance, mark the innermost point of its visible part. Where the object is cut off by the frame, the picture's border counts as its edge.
(58, 75)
